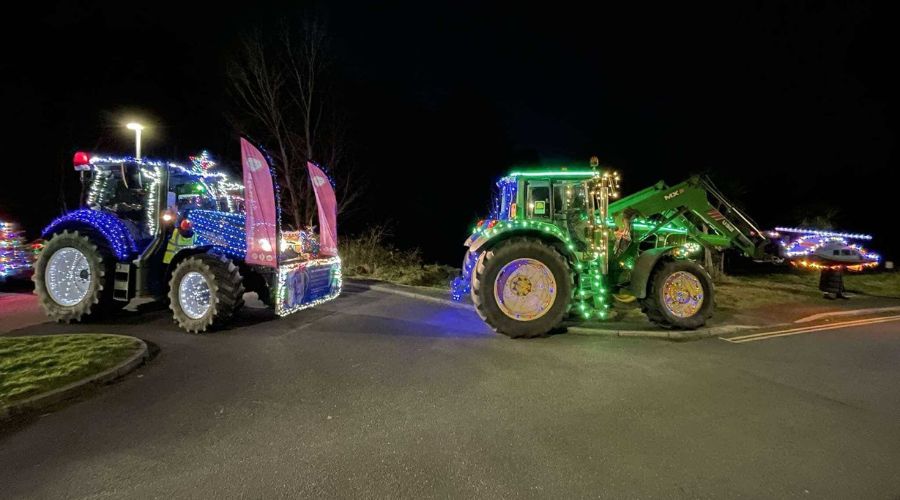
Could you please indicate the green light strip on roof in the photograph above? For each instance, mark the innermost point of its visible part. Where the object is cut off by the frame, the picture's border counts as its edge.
(555, 173)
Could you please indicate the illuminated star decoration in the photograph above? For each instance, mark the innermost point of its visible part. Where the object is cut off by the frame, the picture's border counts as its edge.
(201, 163)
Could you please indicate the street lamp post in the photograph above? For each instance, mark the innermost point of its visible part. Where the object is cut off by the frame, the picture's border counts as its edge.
(137, 127)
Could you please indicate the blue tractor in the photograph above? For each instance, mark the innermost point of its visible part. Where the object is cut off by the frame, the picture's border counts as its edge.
(151, 229)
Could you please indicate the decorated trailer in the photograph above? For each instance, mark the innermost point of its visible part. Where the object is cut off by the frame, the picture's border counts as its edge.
(557, 246)
(188, 234)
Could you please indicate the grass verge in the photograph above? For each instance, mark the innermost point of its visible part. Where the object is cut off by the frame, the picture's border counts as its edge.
(748, 292)
(880, 284)
(797, 287)
(34, 365)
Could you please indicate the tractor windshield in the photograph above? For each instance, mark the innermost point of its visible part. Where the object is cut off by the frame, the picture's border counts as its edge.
(194, 195)
(189, 191)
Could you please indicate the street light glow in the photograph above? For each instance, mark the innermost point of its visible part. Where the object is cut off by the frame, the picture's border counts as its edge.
(137, 127)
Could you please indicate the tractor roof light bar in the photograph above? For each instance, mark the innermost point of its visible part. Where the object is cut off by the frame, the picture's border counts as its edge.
(555, 173)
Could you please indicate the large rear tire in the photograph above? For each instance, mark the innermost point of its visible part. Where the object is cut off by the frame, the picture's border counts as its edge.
(522, 288)
(73, 278)
(204, 292)
(680, 295)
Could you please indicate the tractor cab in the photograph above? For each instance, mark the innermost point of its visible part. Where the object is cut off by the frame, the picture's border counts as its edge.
(548, 194)
(549, 198)
(143, 194)
(125, 189)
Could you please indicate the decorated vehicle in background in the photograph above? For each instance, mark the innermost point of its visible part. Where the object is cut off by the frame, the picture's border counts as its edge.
(556, 246)
(825, 250)
(15, 255)
(187, 234)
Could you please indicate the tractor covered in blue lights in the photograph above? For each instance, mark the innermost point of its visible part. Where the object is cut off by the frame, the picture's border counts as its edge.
(152, 229)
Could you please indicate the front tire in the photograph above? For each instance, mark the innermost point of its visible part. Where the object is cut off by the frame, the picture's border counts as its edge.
(204, 292)
(681, 295)
(522, 288)
(73, 278)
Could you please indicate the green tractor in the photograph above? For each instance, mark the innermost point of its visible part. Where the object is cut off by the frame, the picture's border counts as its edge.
(557, 247)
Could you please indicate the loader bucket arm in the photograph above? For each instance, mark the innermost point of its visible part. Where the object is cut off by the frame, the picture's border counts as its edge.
(692, 204)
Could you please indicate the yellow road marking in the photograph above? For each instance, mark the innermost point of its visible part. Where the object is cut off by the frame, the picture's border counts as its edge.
(809, 329)
(815, 327)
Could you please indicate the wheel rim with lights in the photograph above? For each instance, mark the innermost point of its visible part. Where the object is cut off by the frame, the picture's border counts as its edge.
(194, 295)
(682, 294)
(68, 276)
(525, 289)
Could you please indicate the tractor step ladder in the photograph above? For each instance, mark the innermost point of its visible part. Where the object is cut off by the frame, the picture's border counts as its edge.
(121, 290)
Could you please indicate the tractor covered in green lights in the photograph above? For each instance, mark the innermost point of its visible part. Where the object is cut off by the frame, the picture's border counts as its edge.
(559, 245)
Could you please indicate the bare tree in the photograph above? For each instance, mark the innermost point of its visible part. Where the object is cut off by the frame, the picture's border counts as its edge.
(281, 86)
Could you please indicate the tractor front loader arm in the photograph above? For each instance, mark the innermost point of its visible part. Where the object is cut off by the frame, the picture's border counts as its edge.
(693, 204)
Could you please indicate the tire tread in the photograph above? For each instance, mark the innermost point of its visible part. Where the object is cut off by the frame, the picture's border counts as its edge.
(482, 299)
(226, 285)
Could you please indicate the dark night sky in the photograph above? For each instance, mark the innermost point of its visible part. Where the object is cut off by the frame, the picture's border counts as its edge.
(790, 106)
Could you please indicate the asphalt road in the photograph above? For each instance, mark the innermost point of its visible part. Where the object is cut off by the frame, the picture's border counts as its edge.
(375, 395)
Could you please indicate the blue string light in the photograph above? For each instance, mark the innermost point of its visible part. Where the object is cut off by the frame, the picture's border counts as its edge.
(508, 189)
(222, 230)
(462, 285)
(111, 228)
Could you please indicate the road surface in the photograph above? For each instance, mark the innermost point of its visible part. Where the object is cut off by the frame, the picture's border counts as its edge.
(375, 395)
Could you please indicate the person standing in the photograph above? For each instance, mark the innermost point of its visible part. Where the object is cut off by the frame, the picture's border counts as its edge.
(831, 281)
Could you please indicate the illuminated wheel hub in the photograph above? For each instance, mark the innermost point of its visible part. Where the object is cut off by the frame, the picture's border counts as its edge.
(68, 276)
(682, 294)
(520, 285)
(525, 289)
(194, 295)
